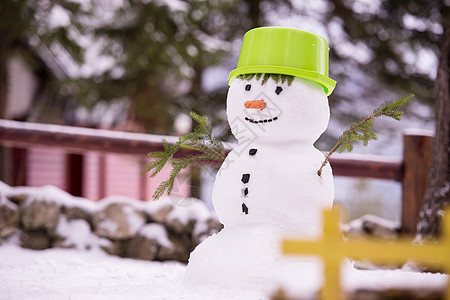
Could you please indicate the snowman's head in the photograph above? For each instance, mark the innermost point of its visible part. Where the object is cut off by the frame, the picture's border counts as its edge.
(276, 108)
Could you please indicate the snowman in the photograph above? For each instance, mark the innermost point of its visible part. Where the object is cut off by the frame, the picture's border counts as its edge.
(268, 187)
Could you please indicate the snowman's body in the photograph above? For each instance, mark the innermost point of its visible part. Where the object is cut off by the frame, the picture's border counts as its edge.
(268, 187)
(278, 186)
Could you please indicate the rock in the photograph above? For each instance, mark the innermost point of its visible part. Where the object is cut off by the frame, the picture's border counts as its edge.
(204, 229)
(148, 242)
(183, 239)
(178, 252)
(77, 213)
(370, 226)
(37, 240)
(373, 226)
(39, 218)
(18, 198)
(398, 294)
(182, 219)
(380, 228)
(111, 247)
(153, 243)
(40, 214)
(141, 248)
(160, 215)
(79, 208)
(6, 232)
(118, 221)
(377, 294)
(10, 235)
(179, 227)
(9, 214)
(170, 248)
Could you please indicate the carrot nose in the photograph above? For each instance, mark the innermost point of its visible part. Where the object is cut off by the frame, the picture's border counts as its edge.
(255, 104)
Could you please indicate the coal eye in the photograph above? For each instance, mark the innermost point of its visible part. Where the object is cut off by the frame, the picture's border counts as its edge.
(278, 90)
(248, 87)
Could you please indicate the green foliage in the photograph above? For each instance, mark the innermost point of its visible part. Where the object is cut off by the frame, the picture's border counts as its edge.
(29, 30)
(159, 49)
(266, 76)
(23, 20)
(199, 140)
(388, 29)
(361, 131)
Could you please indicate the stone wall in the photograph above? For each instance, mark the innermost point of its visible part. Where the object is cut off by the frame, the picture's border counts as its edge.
(40, 218)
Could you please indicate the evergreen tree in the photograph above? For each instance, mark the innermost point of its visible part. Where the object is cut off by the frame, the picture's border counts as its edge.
(25, 25)
(400, 37)
(437, 194)
(398, 34)
(161, 50)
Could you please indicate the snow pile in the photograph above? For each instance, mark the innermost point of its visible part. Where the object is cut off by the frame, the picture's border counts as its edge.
(77, 233)
(157, 232)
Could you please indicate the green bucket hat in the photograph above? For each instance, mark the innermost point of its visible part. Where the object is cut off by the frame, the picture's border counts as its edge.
(288, 51)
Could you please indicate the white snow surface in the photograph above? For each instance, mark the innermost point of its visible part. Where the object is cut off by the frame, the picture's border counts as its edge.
(49, 193)
(157, 232)
(195, 210)
(77, 233)
(94, 275)
(74, 274)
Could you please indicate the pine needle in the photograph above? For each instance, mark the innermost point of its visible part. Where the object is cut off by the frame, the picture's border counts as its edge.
(266, 76)
(361, 131)
(200, 139)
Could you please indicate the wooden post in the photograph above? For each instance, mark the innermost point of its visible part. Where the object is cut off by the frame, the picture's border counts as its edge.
(417, 150)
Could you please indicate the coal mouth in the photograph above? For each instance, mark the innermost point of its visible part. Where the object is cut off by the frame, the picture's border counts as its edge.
(261, 121)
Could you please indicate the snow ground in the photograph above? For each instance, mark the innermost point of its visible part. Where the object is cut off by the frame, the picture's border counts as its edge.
(79, 275)
(74, 274)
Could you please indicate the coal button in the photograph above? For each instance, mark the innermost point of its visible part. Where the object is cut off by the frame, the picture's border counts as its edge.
(245, 178)
(244, 209)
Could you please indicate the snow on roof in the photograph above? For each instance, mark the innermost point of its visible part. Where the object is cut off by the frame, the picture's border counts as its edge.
(418, 131)
(368, 157)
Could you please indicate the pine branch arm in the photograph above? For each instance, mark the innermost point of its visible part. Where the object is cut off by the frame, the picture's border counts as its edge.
(362, 131)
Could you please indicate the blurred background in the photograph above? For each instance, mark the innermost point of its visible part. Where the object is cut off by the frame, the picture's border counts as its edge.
(143, 65)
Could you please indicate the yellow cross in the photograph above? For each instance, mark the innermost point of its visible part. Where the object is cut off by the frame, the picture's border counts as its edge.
(332, 249)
